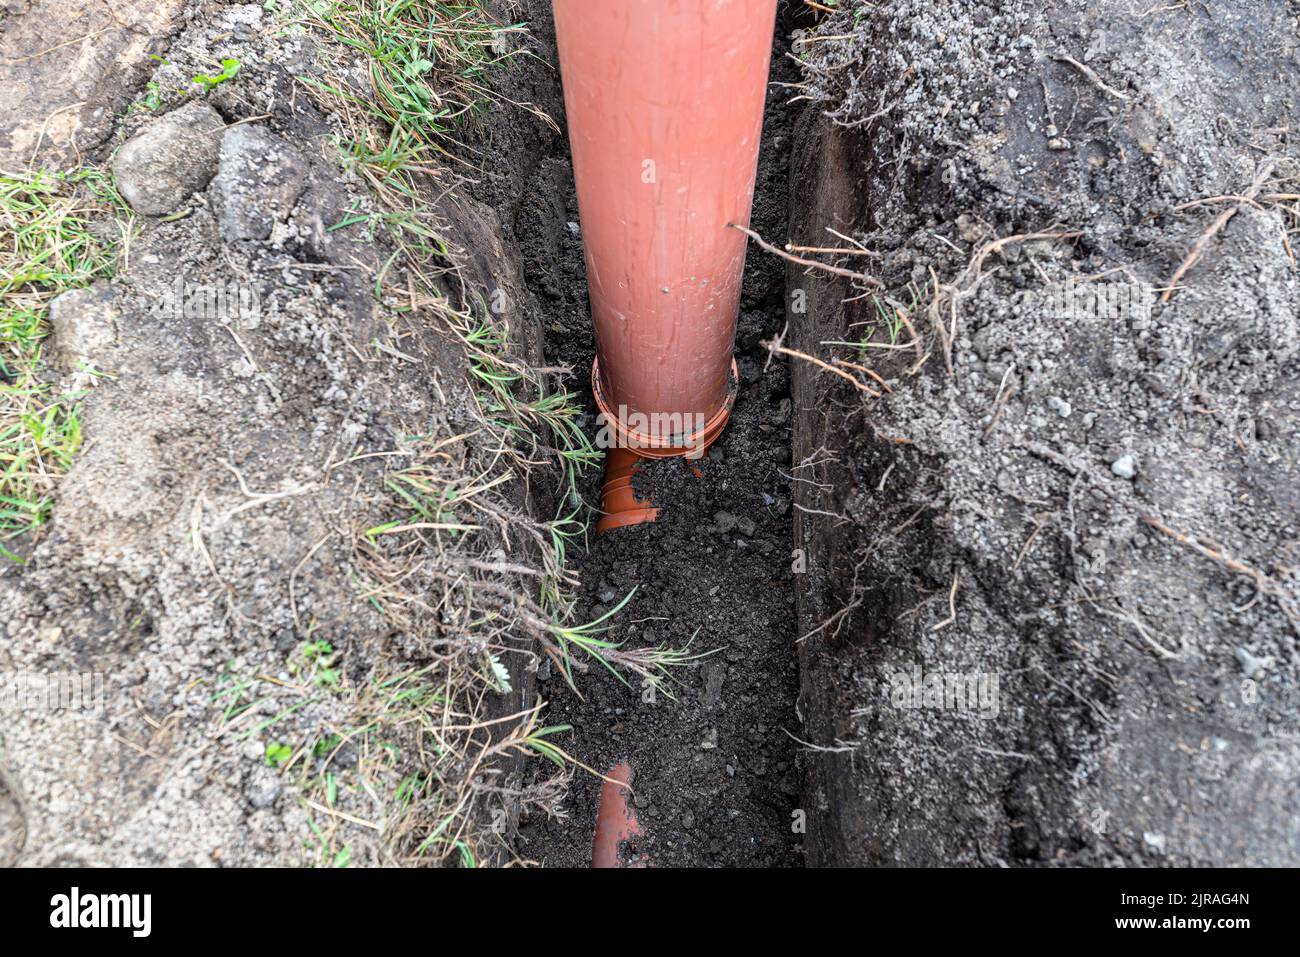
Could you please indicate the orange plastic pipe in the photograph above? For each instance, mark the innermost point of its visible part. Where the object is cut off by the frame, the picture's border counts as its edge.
(664, 100)
(616, 822)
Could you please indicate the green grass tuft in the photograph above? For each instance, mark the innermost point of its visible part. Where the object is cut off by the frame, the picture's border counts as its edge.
(47, 249)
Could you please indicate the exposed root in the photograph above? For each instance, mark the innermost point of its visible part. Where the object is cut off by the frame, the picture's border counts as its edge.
(1091, 76)
(833, 367)
(944, 308)
(860, 278)
(952, 603)
(1198, 248)
(1288, 601)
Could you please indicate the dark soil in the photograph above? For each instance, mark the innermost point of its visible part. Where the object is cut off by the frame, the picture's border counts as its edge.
(1031, 511)
(717, 774)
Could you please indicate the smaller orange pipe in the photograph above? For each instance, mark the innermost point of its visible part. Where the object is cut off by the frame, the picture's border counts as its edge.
(618, 502)
(615, 821)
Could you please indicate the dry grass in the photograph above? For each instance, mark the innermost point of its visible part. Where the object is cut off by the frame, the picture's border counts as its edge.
(436, 769)
(474, 587)
(47, 249)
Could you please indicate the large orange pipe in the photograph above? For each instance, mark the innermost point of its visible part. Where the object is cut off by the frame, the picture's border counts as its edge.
(665, 110)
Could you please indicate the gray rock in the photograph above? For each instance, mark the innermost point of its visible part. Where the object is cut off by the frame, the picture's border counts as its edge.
(1060, 406)
(746, 526)
(724, 521)
(169, 160)
(82, 324)
(1251, 665)
(258, 182)
(1125, 466)
(714, 676)
(262, 794)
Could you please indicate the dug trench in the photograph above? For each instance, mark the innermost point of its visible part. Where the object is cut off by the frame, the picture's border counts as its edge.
(1082, 511)
(1093, 513)
(717, 771)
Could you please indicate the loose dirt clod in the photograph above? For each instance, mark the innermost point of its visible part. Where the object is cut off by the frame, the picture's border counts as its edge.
(259, 179)
(175, 156)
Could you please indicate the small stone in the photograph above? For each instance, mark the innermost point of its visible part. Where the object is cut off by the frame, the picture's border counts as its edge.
(264, 795)
(714, 677)
(746, 526)
(608, 596)
(1251, 665)
(724, 521)
(1154, 840)
(573, 228)
(1060, 406)
(1125, 466)
(172, 158)
(969, 229)
(82, 321)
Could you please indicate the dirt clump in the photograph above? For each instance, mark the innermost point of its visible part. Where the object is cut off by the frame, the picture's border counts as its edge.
(160, 167)
(259, 179)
